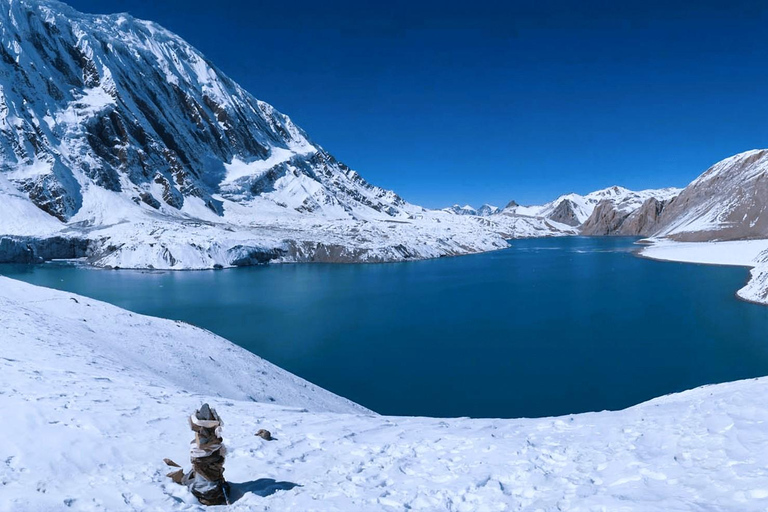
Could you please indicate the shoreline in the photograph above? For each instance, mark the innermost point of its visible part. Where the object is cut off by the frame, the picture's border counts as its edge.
(752, 254)
(69, 375)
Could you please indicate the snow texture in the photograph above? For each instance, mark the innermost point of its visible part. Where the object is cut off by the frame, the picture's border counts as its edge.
(96, 397)
(745, 253)
(117, 132)
(729, 201)
(583, 206)
(183, 169)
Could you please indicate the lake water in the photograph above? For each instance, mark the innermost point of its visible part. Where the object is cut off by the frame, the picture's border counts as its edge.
(547, 327)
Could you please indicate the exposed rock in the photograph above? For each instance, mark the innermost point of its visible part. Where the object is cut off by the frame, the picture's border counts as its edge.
(264, 434)
(728, 202)
(242, 256)
(565, 213)
(606, 219)
(609, 220)
(37, 250)
(149, 199)
(645, 220)
(318, 252)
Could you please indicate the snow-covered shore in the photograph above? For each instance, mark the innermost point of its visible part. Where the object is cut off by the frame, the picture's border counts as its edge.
(96, 396)
(744, 253)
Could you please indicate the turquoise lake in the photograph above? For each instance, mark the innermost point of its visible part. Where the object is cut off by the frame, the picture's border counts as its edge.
(546, 327)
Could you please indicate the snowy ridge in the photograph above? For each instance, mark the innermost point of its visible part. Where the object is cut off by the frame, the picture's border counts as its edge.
(483, 211)
(584, 206)
(93, 422)
(723, 214)
(566, 215)
(181, 168)
(756, 289)
(728, 202)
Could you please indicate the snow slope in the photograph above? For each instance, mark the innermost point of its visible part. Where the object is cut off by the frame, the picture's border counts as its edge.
(582, 207)
(573, 214)
(97, 396)
(566, 215)
(745, 253)
(18, 216)
(721, 218)
(116, 132)
(729, 201)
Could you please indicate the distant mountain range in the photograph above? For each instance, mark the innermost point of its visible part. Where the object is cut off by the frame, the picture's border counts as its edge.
(483, 211)
(728, 202)
(123, 145)
(611, 211)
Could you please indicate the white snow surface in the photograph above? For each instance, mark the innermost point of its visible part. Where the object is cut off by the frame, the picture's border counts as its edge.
(745, 253)
(183, 169)
(95, 398)
(18, 216)
(584, 205)
(128, 137)
(729, 201)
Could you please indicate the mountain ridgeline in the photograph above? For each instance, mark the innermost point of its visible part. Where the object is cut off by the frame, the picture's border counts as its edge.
(125, 105)
(611, 211)
(729, 201)
(123, 145)
(117, 132)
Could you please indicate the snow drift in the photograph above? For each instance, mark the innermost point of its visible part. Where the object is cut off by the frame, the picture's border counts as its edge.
(99, 396)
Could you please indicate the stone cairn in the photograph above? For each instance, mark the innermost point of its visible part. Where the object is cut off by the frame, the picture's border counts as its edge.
(207, 451)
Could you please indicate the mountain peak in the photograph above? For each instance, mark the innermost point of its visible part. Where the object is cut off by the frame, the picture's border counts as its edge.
(123, 104)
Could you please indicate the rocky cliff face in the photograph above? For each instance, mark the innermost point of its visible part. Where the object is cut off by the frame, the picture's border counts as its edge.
(598, 213)
(565, 213)
(115, 131)
(610, 211)
(645, 220)
(728, 202)
(124, 105)
(610, 219)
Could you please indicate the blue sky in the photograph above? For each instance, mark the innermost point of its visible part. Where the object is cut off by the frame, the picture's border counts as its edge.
(449, 102)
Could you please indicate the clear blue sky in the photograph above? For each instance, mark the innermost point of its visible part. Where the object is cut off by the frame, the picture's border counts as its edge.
(476, 102)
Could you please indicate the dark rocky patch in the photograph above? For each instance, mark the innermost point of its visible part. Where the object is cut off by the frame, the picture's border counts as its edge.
(15, 249)
(565, 213)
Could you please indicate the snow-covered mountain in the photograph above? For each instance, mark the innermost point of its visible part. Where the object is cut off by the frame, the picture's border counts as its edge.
(127, 106)
(483, 211)
(628, 213)
(575, 209)
(488, 209)
(117, 132)
(592, 211)
(724, 213)
(728, 202)
(610, 211)
(457, 209)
